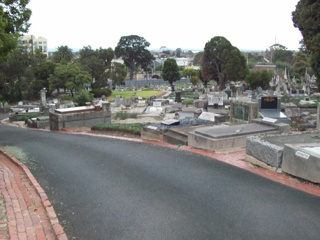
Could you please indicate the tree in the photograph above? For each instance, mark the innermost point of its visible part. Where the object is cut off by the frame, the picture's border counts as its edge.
(301, 63)
(190, 71)
(14, 17)
(63, 53)
(178, 52)
(133, 51)
(97, 62)
(197, 58)
(106, 55)
(170, 71)
(222, 62)
(118, 73)
(306, 18)
(13, 71)
(280, 53)
(69, 76)
(258, 79)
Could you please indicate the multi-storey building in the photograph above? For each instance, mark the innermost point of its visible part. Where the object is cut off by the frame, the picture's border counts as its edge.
(31, 43)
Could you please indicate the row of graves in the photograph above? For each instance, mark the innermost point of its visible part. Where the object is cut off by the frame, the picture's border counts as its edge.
(258, 125)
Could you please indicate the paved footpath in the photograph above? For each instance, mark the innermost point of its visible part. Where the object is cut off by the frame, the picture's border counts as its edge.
(25, 211)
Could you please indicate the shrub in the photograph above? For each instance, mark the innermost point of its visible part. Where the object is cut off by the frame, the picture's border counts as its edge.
(98, 92)
(134, 128)
(125, 115)
(187, 102)
(155, 77)
(83, 97)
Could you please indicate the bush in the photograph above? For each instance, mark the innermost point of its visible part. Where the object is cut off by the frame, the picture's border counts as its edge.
(187, 102)
(125, 115)
(98, 92)
(134, 128)
(83, 97)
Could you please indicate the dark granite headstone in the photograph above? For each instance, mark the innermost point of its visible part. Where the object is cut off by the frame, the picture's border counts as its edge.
(178, 97)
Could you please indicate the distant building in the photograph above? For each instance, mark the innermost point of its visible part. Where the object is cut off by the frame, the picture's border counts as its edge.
(31, 43)
(264, 67)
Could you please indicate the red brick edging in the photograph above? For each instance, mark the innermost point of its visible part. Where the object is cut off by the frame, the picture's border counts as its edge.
(57, 228)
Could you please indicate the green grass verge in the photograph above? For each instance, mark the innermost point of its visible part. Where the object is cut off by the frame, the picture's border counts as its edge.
(140, 93)
(123, 127)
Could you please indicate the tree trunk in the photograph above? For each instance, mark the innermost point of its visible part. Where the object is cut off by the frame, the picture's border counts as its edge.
(131, 71)
(222, 81)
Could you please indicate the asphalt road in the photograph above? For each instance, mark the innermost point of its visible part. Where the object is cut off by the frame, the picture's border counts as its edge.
(112, 189)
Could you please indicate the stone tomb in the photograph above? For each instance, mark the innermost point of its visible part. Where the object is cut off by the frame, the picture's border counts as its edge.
(84, 116)
(226, 137)
(302, 160)
(270, 149)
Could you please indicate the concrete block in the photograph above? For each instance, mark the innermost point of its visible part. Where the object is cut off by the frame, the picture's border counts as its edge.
(302, 160)
(264, 151)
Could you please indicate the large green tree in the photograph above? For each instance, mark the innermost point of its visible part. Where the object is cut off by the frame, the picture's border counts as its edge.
(97, 62)
(133, 51)
(13, 74)
(170, 71)
(14, 17)
(222, 62)
(69, 76)
(306, 17)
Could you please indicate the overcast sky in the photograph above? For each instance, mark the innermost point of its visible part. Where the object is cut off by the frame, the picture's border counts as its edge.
(247, 24)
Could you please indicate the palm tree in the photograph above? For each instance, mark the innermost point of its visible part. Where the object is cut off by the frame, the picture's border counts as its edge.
(63, 53)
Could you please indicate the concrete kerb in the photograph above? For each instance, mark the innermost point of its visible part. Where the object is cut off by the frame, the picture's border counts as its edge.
(59, 232)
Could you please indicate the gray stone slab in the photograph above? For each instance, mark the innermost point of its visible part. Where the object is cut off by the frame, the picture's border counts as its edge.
(170, 122)
(281, 140)
(233, 131)
(264, 151)
(302, 160)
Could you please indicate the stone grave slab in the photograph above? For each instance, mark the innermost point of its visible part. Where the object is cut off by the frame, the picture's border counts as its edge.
(208, 116)
(169, 122)
(302, 160)
(236, 130)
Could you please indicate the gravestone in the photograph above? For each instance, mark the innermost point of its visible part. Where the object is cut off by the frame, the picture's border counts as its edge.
(43, 100)
(156, 104)
(243, 111)
(1, 105)
(127, 102)
(117, 101)
(270, 108)
(178, 97)
(215, 100)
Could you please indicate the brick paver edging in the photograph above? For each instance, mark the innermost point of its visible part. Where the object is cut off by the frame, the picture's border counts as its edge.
(58, 230)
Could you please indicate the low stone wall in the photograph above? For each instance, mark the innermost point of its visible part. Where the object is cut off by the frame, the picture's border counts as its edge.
(78, 119)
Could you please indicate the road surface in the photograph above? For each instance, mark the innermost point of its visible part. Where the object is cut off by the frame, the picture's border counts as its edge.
(113, 189)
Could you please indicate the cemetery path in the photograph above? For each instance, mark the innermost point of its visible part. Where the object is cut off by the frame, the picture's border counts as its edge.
(104, 188)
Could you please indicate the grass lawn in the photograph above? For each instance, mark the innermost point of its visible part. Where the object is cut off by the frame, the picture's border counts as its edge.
(128, 94)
